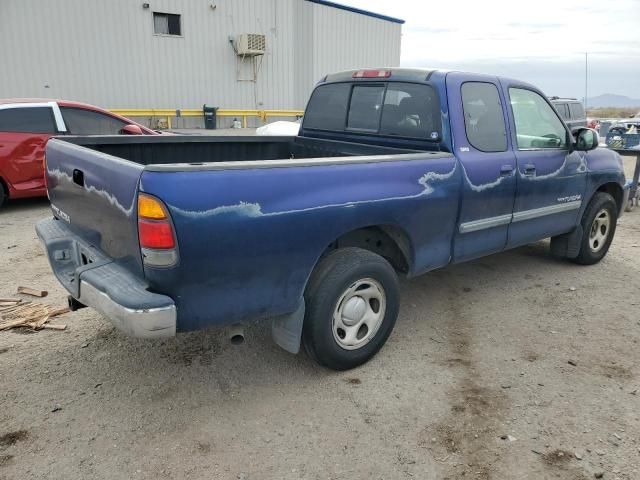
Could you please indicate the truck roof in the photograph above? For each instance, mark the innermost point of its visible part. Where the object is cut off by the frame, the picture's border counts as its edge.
(415, 74)
(408, 75)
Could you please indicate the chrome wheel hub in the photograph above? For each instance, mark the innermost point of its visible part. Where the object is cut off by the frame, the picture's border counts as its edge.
(358, 314)
(600, 229)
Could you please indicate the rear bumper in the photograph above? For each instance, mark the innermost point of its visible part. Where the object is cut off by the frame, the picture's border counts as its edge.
(98, 282)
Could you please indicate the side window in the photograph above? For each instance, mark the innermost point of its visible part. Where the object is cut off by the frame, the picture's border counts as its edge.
(563, 110)
(411, 110)
(365, 107)
(483, 117)
(327, 108)
(87, 122)
(577, 111)
(537, 125)
(27, 120)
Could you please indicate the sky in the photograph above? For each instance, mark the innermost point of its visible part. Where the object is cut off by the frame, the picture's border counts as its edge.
(542, 41)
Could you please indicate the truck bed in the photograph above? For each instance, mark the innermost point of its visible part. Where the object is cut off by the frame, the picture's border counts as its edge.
(203, 149)
(260, 209)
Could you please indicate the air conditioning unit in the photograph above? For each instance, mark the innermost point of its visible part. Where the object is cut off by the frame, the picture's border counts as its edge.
(251, 44)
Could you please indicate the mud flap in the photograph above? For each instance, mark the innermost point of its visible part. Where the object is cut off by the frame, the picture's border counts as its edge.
(567, 245)
(287, 330)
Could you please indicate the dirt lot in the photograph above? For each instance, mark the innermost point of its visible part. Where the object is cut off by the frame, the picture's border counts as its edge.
(516, 366)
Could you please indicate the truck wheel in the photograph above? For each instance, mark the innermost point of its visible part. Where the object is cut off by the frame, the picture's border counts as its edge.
(352, 302)
(599, 225)
(3, 195)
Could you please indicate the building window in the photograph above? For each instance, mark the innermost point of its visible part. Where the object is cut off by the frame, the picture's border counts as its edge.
(166, 24)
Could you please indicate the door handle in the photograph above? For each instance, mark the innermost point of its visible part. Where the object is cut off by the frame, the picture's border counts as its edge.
(78, 177)
(506, 170)
(530, 169)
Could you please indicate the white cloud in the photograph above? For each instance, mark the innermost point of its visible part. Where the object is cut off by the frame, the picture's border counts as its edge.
(553, 33)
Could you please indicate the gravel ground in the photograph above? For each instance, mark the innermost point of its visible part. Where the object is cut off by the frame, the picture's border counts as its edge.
(514, 366)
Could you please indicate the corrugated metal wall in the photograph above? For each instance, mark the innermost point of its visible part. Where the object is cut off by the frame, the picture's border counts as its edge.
(105, 52)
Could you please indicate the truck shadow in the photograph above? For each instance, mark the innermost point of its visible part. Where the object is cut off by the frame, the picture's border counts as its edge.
(259, 356)
(211, 350)
(209, 360)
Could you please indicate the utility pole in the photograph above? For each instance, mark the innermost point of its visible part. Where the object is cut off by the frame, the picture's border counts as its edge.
(586, 77)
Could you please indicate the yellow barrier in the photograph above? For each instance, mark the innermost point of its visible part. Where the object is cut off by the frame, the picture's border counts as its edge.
(222, 112)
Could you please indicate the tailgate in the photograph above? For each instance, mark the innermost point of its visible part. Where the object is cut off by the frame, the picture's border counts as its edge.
(96, 195)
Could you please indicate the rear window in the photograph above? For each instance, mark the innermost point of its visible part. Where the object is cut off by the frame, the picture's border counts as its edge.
(411, 110)
(394, 109)
(327, 109)
(27, 120)
(577, 111)
(365, 107)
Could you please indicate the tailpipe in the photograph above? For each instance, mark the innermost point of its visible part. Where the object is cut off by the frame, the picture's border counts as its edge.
(74, 304)
(236, 334)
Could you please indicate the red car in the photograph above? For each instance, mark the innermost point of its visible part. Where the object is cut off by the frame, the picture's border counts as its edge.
(27, 124)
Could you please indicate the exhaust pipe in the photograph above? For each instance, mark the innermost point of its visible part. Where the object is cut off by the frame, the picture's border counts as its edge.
(236, 334)
(74, 304)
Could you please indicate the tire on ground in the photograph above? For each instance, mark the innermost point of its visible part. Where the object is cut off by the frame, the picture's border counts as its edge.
(337, 273)
(600, 202)
(3, 194)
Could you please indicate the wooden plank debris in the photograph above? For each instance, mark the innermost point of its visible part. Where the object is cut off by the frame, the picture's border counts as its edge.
(33, 292)
(30, 315)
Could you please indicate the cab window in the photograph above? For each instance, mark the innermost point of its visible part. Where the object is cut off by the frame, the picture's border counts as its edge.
(400, 109)
(537, 125)
(327, 109)
(483, 118)
(411, 110)
(365, 107)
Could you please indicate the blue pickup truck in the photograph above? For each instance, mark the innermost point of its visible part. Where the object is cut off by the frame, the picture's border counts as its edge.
(394, 172)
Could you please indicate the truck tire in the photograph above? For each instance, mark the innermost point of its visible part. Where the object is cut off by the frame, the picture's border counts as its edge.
(352, 302)
(598, 226)
(3, 194)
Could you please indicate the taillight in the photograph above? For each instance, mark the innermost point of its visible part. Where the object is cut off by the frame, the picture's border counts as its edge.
(372, 74)
(157, 238)
(155, 234)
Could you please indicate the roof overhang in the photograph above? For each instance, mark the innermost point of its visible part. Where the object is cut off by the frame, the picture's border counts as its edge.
(357, 10)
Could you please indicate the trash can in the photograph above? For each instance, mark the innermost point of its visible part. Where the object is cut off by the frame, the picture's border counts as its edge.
(210, 117)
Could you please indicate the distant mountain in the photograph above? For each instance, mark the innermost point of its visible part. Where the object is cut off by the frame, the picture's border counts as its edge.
(611, 100)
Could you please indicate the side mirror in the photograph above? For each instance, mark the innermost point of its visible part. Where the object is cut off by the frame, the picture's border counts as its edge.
(131, 130)
(586, 139)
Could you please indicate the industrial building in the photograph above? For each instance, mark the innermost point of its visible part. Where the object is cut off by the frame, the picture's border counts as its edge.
(181, 54)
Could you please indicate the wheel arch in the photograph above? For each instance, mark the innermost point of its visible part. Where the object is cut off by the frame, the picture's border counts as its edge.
(615, 190)
(389, 241)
